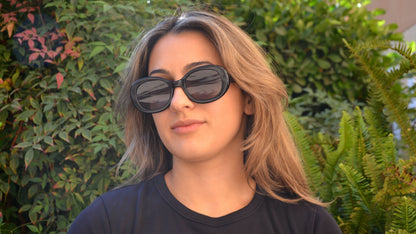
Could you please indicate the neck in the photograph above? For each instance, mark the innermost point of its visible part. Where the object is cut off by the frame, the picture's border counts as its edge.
(212, 189)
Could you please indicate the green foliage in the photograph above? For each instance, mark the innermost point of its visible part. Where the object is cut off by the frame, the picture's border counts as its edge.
(60, 61)
(385, 87)
(372, 191)
(303, 39)
(370, 179)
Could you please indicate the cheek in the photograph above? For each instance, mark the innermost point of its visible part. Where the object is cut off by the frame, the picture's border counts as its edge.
(160, 123)
(233, 101)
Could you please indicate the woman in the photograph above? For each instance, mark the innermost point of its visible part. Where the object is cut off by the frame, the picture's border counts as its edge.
(204, 124)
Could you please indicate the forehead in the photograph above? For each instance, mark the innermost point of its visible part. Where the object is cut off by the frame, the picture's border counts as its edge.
(176, 50)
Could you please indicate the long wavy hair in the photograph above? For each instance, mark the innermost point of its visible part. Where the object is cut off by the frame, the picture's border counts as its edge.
(271, 156)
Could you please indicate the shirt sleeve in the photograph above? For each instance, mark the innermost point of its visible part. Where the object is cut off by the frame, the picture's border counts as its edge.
(93, 219)
(325, 223)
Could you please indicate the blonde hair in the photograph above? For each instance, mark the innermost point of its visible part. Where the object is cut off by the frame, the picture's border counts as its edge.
(272, 158)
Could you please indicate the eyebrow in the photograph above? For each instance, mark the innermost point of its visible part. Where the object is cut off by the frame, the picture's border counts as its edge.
(195, 64)
(185, 69)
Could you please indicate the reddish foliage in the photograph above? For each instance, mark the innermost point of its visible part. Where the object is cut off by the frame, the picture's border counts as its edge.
(59, 79)
(39, 45)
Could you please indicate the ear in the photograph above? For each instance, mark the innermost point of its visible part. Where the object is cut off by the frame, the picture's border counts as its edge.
(248, 105)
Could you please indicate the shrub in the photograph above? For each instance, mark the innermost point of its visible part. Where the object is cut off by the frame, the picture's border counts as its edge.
(60, 61)
(304, 41)
(370, 179)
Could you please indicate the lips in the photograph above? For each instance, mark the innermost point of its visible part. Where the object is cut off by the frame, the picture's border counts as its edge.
(185, 126)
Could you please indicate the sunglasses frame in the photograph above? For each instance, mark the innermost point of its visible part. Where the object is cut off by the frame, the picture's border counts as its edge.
(225, 84)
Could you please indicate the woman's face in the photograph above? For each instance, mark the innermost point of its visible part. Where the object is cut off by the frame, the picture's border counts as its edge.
(195, 132)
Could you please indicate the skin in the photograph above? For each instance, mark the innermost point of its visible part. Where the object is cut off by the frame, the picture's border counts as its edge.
(205, 140)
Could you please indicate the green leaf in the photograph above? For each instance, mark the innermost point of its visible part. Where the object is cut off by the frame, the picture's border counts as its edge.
(34, 103)
(25, 208)
(96, 50)
(23, 145)
(335, 58)
(25, 115)
(14, 164)
(105, 84)
(4, 187)
(37, 147)
(296, 88)
(48, 140)
(37, 119)
(33, 228)
(33, 216)
(281, 30)
(70, 27)
(120, 67)
(28, 157)
(323, 64)
(86, 134)
(32, 191)
(79, 198)
(64, 136)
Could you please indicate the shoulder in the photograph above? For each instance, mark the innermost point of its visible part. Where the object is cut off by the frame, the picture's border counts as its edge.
(324, 222)
(111, 206)
(303, 216)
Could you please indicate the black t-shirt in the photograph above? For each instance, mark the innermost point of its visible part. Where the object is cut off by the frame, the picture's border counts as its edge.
(149, 207)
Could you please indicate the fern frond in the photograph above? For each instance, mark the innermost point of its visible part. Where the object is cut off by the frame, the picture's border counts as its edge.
(358, 184)
(405, 215)
(373, 171)
(401, 181)
(381, 89)
(361, 144)
(370, 44)
(363, 194)
(382, 144)
(333, 158)
(360, 220)
(406, 52)
(310, 162)
(400, 231)
(397, 72)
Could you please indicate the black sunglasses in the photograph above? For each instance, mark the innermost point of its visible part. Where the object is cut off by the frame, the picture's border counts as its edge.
(203, 84)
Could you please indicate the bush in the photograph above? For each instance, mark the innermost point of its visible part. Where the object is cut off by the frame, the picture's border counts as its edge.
(304, 41)
(60, 61)
(370, 179)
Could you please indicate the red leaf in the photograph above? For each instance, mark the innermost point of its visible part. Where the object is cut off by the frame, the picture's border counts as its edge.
(91, 93)
(49, 61)
(31, 44)
(42, 41)
(59, 79)
(31, 18)
(51, 54)
(33, 56)
(19, 35)
(54, 36)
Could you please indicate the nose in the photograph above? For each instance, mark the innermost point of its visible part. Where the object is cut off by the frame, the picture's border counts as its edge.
(180, 101)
